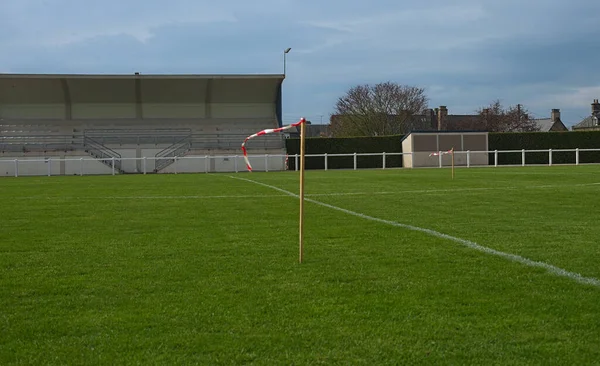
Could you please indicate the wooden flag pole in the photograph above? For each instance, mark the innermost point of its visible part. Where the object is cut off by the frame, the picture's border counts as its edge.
(302, 143)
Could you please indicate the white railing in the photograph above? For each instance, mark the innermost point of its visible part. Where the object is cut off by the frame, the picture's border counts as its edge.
(50, 166)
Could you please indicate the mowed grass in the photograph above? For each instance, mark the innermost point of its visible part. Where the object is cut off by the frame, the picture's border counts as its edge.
(178, 269)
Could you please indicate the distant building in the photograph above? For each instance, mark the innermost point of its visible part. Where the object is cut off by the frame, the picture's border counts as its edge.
(442, 121)
(551, 124)
(438, 119)
(311, 131)
(590, 123)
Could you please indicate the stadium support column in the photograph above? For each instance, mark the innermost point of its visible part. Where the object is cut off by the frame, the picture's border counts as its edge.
(67, 98)
(208, 99)
(139, 112)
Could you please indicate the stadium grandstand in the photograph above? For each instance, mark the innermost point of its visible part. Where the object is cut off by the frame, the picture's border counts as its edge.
(120, 119)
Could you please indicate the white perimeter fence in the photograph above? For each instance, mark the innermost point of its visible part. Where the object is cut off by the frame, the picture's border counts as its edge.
(36, 166)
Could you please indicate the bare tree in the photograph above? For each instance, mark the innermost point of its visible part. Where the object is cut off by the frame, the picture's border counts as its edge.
(377, 110)
(515, 118)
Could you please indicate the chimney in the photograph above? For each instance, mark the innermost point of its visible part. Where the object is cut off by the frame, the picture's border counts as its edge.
(430, 119)
(555, 115)
(595, 108)
(442, 113)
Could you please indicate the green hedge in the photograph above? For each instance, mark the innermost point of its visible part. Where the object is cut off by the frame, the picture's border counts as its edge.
(544, 141)
(497, 141)
(347, 145)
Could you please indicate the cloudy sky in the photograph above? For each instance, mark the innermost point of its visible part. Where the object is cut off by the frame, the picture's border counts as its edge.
(543, 54)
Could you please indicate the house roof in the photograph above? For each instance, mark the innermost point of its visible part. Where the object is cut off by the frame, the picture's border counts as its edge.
(544, 124)
(463, 122)
(411, 122)
(311, 130)
(588, 122)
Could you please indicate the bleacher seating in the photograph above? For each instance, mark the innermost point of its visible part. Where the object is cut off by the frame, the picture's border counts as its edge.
(41, 136)
(68, 135)
(142, 136)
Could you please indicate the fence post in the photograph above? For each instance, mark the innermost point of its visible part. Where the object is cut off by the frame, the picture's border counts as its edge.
(355, 165)
(296, 160)
(49, 166)
(175, 164)
(549, 157)
(16, 167)
(113, 165)
(468, 158)
(235, 163)
(523, 157)
(495, 158)
(325, 161)
(577, 156)
(205, 163)
(81, 167)
(266, 162)
(440, 158)
(144, 165)
(383, 160)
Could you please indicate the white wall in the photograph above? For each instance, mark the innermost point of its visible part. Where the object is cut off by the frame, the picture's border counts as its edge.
(188, 164)
(422, 159)
(199, 164)
(74, 167)
(407, 147)
(36, 166)
(132, 157)
(150, 163)
(129, 166)
(132, 162)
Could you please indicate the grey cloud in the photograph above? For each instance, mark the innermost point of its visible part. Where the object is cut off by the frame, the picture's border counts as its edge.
(466, 53)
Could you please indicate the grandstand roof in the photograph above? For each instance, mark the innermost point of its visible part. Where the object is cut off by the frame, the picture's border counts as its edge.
(139, 88)
(143, 76)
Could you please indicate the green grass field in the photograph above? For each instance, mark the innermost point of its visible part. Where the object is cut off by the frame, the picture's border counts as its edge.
(178, 269)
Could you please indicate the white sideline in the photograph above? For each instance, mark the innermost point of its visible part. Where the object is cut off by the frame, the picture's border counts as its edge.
(513, 257)
(145, 197)
(446, 190)
(331, 194)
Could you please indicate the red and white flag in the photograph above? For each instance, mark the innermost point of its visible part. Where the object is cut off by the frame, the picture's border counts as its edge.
(264, 132)
(451, 151)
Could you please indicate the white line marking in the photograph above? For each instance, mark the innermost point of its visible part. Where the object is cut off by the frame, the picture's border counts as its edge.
(513, 257)
(446, 190)
(145, 197)
(331, 194)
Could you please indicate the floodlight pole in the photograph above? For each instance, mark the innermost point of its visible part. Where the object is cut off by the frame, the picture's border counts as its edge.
(285, 52)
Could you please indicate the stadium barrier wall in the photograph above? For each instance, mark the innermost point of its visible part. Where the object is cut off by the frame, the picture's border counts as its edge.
(277, 162)
(342, 146)
(73, 165)
(36, 166)
(563, 144)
